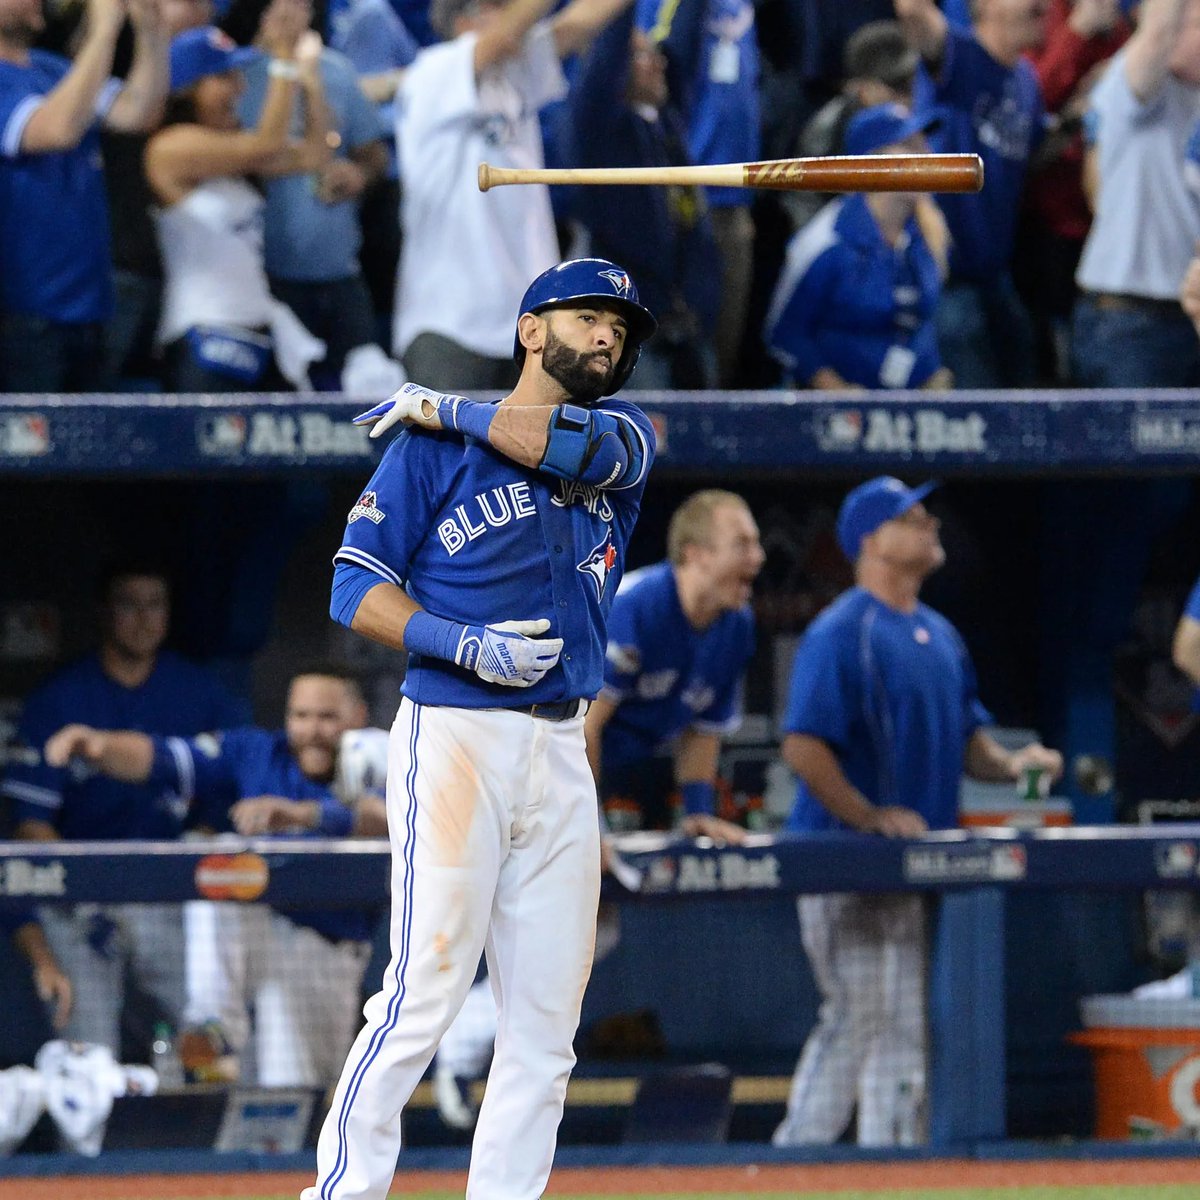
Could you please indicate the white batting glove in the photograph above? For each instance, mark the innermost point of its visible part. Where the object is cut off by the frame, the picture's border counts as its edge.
(510, 652)
(411, 405)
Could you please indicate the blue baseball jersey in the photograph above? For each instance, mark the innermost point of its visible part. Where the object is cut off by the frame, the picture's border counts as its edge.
(177, 698)
(212, 772)
(476, 538)
(996, 112)
(894, 696)
(55, 260)
(666, 675)
(849, 301)
(1192, 609)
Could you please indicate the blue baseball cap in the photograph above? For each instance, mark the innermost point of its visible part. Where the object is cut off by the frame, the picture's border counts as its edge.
(870, 505)
(206, 51)
(884, 125)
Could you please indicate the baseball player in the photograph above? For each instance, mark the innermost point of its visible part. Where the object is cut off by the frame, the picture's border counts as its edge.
(300, 970)
(679, 637)
(130, 682)
(882, 719)
(489, 544)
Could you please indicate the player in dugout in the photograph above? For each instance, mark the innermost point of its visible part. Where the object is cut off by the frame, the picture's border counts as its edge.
(300, 970)
(883, 717)
(680, 636)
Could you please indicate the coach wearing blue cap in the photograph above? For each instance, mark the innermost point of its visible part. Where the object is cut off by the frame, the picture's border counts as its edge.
(855, 303)
(883, 717)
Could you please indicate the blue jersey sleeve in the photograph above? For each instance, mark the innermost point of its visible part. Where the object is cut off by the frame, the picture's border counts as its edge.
(202, 771)
(975, 715)
(824, 693)
(1192, 608)
(391, 518)
(35, 788)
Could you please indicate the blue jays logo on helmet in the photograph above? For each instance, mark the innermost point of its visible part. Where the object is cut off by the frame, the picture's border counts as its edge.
(602, 282)
(620, 280)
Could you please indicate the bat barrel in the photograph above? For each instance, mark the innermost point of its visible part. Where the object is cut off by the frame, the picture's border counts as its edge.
(871, 173)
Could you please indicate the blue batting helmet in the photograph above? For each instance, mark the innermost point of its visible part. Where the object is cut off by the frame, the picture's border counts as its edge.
(601, 281)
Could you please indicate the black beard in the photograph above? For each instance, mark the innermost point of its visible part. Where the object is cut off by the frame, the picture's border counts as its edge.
(571, 369)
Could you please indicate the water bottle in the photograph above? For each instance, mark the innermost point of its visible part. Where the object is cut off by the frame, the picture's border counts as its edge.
(164, 1058)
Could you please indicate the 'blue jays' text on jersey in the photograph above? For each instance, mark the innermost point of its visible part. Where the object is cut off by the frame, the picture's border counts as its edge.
(215, 770)
(894, 696)
(476, 538)
(666, 675)
(177, 698)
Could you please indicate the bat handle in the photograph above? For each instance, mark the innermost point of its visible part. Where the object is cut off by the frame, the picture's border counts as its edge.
(485, 177)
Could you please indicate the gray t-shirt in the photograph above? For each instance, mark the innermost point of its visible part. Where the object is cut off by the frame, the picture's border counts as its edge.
(1147, 218)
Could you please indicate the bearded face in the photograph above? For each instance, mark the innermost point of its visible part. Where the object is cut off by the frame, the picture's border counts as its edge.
(585, 375)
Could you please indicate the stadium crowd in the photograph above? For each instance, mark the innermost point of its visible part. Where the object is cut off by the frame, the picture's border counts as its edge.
(238, 194)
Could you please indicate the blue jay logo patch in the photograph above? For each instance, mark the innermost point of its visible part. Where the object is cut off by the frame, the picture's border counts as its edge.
(619, 279)
(598, 564)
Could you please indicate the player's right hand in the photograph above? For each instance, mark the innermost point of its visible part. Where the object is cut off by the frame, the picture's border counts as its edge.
(74, 741)
(512, 652)
(412, 405)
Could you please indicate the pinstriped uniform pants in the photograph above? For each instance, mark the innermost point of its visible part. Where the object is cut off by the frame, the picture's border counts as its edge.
(495, 848)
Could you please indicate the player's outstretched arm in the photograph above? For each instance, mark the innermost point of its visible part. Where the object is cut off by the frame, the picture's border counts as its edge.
(122, 754)
(568, 441)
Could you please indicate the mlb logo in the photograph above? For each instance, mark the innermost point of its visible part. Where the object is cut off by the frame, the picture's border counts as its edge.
(223, 433)
(840, 430)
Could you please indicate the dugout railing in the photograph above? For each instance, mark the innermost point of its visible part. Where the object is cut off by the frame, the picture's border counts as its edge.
(980, 878)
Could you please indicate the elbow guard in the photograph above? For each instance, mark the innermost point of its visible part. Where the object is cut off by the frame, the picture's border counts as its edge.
(591, 447)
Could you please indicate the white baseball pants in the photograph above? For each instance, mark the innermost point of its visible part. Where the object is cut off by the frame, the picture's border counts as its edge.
(495, 848)
(867, 954)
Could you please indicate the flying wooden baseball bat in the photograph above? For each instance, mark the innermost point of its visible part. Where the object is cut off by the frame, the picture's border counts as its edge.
(864, 173)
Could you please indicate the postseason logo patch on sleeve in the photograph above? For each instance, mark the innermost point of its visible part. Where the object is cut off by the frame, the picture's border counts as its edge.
(366, 507)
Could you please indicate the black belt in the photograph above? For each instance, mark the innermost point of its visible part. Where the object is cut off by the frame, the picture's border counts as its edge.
(562, 710)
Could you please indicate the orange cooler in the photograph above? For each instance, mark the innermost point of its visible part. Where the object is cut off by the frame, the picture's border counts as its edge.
(1146, 1059)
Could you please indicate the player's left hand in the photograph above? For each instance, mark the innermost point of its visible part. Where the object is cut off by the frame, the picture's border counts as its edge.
(1036, 755)
(272, 814)
(411, 405)
(706, 825)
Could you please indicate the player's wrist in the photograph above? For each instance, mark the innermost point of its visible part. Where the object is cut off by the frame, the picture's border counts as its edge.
(470, 417)
(699, 797)
(436, 637)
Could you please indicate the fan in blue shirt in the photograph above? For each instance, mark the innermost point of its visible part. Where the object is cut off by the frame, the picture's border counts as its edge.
(680, 637)
(986, 93)
(55, 264)
(883, 717)
(856, 300)
(299, 970)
